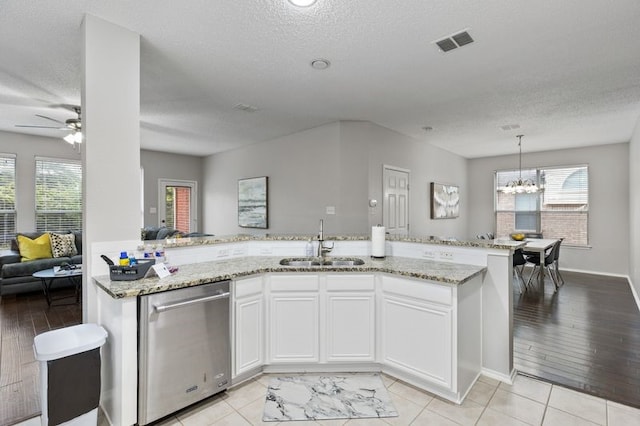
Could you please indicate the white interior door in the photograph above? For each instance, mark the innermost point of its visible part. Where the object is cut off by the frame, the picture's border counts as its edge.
(396, 200)
(177, 201)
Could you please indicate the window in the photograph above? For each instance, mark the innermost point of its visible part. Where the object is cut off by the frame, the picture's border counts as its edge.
(58, 195)
(560, 210)
(7, 199)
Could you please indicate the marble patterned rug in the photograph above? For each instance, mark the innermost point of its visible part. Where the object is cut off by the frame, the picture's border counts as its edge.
(304, 397)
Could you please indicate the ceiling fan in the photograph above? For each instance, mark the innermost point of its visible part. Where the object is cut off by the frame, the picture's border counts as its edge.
(74, 125)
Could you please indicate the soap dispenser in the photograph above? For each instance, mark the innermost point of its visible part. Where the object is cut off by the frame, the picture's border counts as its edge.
(309, 249)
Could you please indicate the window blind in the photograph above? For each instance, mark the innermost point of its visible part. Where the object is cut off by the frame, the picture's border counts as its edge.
(58, 195)
(7, 199)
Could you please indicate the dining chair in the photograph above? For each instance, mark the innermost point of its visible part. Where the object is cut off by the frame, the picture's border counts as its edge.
(549, 260)
(556, 268)
(518, 265)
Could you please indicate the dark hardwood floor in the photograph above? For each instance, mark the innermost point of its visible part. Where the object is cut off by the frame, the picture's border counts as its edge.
(22, 317)
(586, 336)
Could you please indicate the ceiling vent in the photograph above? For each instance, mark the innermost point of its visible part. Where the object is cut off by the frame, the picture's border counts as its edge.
(454, 41)
(508, 127)
(245, 108)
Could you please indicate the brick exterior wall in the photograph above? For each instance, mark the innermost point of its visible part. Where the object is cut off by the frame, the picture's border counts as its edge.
(572, 226)
(182, 205)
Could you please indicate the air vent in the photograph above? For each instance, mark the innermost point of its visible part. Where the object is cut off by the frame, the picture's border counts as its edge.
(446, 44)
(508, 127)
(245, 108)
(454, 41)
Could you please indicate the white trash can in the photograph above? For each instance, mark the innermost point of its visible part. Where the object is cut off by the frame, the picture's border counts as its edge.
(70, 374)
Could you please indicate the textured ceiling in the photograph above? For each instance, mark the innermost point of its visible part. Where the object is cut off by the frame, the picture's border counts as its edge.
(567, 72)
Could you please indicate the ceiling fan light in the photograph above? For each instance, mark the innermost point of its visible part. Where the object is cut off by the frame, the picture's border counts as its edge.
(77, 137)
(70, 138)
(302, 3)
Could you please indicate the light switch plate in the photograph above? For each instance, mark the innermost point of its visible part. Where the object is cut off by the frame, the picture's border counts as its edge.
(153, 210)
(331, 209)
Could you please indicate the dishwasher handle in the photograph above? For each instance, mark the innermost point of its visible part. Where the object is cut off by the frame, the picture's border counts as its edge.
(187, 302)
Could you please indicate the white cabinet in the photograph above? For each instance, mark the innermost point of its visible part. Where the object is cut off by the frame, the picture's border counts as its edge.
(293, 319)
(431, 333)
(350, 318)
(248, 325)
(417, 337)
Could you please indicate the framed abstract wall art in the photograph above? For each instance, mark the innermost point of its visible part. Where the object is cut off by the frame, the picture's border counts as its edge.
(253, 202)
(445, 201)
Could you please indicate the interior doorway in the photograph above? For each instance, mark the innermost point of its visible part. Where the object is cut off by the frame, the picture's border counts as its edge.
(395, 209)
(177, 201)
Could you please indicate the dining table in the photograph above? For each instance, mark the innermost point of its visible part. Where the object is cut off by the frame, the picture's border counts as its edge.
(540, 246)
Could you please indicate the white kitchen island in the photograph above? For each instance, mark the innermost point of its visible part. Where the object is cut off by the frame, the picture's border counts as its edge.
(435, 314)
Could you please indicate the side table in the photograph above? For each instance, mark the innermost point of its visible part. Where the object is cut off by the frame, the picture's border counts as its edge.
(49, 276)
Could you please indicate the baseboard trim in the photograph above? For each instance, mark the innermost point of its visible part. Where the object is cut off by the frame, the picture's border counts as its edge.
(634, 292)
(506, 378)
(605, 274)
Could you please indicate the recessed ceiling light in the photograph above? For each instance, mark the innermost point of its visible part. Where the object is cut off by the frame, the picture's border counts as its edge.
(302, 3)
(320, 64)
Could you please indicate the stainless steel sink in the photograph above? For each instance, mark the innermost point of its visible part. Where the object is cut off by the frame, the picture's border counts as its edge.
(314, 261)
(343, 262)
(301, 262)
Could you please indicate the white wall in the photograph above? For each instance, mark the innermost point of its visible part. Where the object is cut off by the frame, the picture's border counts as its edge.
(426, 163)
(302, 175)
(608, 202)
(634, 210)
(338, 164)
(159, 165)
(27, 148)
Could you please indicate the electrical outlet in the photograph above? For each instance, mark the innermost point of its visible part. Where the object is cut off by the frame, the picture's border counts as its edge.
(427, 254)
(223, 253)
(446, 255)
(266, 250)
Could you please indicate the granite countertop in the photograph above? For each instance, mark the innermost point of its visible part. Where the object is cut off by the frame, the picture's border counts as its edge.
(498, 243)
(206, 272)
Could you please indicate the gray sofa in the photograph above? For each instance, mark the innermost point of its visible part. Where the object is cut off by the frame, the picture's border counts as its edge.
(16, 276)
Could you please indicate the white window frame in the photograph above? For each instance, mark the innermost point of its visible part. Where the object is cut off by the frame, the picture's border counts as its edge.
(5, 240)
(36, 211)
(540, 202)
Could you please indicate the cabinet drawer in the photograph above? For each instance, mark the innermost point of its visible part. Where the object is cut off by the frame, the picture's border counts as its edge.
(248, 287)
(424, 290)
(342, 282)
(294, 282)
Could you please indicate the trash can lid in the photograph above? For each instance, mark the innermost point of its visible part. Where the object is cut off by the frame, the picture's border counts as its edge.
(67, 341)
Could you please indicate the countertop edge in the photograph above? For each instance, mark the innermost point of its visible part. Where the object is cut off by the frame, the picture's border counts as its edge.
(395, 266)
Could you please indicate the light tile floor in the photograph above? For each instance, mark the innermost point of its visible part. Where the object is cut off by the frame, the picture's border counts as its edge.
(490, 402)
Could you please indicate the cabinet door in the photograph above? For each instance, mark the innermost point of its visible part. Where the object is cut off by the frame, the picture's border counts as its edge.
(350, 327)
(249, 334)
(417, 338)
(294, 327)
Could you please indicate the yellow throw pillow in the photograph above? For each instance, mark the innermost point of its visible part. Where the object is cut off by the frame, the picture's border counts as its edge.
(40, 248)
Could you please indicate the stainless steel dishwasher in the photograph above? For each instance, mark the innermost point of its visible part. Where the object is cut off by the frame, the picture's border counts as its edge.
(183, 348)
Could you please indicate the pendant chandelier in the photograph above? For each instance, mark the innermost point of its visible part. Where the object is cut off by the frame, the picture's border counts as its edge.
(519, 185)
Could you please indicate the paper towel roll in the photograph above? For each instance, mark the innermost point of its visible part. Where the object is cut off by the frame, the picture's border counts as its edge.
(377, 241)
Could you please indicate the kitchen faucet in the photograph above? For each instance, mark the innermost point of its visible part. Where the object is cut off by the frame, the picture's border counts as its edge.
(322, 249)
